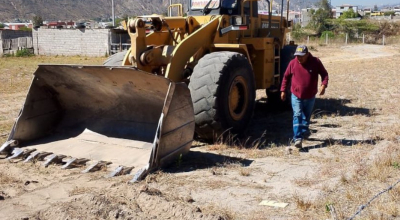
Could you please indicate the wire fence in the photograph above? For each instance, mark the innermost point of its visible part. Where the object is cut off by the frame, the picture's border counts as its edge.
(346, 39)
(362, 207)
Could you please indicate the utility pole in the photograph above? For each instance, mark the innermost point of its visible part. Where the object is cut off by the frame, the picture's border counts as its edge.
(113, 13)
(301, 18)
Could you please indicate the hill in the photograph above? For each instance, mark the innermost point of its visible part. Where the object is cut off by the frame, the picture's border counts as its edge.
(76, 9)
(91, 9)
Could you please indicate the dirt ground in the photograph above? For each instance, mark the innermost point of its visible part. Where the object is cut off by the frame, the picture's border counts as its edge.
(351, 156)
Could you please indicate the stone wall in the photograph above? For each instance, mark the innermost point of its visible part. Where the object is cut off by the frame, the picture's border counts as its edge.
(70, 42)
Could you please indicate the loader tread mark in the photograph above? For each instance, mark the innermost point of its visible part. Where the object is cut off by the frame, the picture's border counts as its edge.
(210, 83)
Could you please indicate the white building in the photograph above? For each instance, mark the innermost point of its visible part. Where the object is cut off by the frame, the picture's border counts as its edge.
(305, 16)
(343, 8)
(396, 10)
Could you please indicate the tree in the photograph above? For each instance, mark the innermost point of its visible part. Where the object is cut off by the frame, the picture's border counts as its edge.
(25, 29)
(1, 25)
(375, 8)
(349, 14)
(319, 17)
(123, 18)
(37, 21)
(389, 13)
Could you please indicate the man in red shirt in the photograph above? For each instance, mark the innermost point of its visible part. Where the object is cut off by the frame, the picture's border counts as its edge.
(302, 74)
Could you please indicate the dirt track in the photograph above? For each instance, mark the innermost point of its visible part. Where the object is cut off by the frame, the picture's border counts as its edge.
(356, 127)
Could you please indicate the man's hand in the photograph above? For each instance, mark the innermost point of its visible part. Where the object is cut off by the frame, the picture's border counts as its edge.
(283, 96)
(322, 90)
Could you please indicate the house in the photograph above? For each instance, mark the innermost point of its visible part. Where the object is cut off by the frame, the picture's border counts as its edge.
(396, 10)
(305, 16)
(17, 26)
(343, 8)
(60, 24)
(294, 16)
(365, 11)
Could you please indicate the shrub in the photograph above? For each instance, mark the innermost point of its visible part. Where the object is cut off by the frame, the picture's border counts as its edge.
(23, 53)
(330, 35)
(298, 34)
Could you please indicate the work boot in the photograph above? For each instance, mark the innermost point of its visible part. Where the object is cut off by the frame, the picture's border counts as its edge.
(298, 143)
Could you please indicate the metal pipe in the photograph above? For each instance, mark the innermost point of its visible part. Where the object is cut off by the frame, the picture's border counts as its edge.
(270, 17)
(113, 13)
(287, 10)
(170, 9)
(280, 25)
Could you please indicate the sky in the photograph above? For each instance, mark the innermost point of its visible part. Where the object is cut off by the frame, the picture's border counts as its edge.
(364, 2)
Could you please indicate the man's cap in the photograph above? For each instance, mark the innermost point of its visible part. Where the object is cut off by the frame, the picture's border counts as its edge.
(301, 50)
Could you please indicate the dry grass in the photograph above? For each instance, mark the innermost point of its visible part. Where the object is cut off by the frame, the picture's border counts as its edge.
(79, 191)
(223, 213)
(247, 149)
(306, 181)
(17, 71)
(8, 179)
(244, 171)
(360, 106)
(302, 203)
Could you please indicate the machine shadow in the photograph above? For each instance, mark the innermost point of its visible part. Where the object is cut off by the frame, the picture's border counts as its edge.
(196, 160)
(272, 124)
(326, 143)
(326, 107)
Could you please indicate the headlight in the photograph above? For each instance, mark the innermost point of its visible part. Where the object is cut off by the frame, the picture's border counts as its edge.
(237, 20)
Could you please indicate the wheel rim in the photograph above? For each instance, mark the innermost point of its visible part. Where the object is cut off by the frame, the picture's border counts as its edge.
(238, 98)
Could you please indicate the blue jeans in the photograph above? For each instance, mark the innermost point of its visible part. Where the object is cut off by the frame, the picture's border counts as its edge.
(302, 110)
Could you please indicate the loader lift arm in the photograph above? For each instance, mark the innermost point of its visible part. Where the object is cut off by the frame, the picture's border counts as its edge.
(176, 60)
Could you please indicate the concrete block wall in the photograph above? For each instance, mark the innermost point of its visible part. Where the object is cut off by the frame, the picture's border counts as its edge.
(70, 42)
(12, 34)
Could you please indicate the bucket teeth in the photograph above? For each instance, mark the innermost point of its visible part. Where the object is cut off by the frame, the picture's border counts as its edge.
(96, 166)
(120, 170)
(7, 147)
(19, 153)
(36, 156)
(74, 162)
(54, 158)
(139, 175)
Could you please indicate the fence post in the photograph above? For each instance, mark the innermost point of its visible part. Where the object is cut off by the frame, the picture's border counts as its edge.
(308, 39)
(363, 38)
(383, 40)
(326, 36)
(347, 35)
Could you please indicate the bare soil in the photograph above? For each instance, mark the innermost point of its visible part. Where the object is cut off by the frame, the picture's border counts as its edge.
(352, 154)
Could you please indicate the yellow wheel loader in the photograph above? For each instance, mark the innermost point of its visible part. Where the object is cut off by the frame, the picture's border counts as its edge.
(182, 74)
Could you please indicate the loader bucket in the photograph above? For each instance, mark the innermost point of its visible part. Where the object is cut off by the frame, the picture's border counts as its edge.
(120, 115)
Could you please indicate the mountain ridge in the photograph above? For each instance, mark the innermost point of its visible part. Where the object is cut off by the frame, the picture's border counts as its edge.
(53, 10)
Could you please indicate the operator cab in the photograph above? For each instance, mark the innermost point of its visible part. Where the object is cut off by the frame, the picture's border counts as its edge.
(220, 7)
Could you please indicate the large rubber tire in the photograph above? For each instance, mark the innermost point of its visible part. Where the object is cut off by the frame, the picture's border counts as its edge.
(222, 87)
(115, 59)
